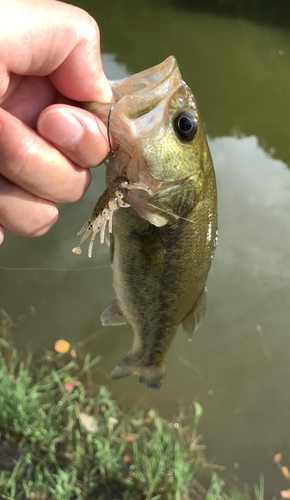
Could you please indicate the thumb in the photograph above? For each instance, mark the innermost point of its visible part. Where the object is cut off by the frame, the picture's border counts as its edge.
(78, 134)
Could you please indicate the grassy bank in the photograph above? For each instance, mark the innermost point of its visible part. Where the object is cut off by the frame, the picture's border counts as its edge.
(62, 439)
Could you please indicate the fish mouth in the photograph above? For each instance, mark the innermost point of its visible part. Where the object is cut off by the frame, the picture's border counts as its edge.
(141, 104)
(141, 93)
(147, 82)
(137, 95)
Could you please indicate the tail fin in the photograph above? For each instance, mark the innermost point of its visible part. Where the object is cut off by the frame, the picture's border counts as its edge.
(151, 375)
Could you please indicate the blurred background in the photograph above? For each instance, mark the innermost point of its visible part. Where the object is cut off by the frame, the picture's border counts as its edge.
(235, 55)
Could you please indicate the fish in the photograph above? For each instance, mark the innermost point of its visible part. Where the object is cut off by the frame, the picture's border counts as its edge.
(160, 209)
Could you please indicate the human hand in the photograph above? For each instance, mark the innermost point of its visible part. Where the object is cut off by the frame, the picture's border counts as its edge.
(49, 58)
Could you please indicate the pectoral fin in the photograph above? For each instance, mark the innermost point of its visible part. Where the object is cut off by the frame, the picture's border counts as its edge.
(155, 218)
(195, 316)
(113, 315)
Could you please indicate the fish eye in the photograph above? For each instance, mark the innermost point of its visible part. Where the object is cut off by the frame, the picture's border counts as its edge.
(185, 126)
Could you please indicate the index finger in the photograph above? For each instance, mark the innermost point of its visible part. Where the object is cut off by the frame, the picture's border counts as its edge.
(50, 38)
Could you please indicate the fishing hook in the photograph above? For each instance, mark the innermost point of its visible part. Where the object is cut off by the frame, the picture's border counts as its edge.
(111, 152)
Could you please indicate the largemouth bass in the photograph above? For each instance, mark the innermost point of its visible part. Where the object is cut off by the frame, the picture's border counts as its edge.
(161, 210)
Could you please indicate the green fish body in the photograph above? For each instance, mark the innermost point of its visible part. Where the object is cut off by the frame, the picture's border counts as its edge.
(164, 236)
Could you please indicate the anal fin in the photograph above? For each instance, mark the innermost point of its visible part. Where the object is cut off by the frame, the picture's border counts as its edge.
(195, 316)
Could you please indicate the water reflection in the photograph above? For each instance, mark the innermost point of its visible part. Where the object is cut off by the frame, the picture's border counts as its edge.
(237, 366)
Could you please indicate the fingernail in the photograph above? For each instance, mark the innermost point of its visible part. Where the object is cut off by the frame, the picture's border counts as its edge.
(60, 127)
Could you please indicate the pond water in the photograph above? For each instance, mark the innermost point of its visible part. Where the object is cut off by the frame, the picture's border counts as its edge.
(237, 365)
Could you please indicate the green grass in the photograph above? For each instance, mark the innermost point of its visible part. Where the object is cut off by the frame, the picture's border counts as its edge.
(66, 445)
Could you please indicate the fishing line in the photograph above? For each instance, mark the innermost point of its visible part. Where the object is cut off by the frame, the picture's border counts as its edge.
(91, 268)
(53, 269)
(171, 213)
